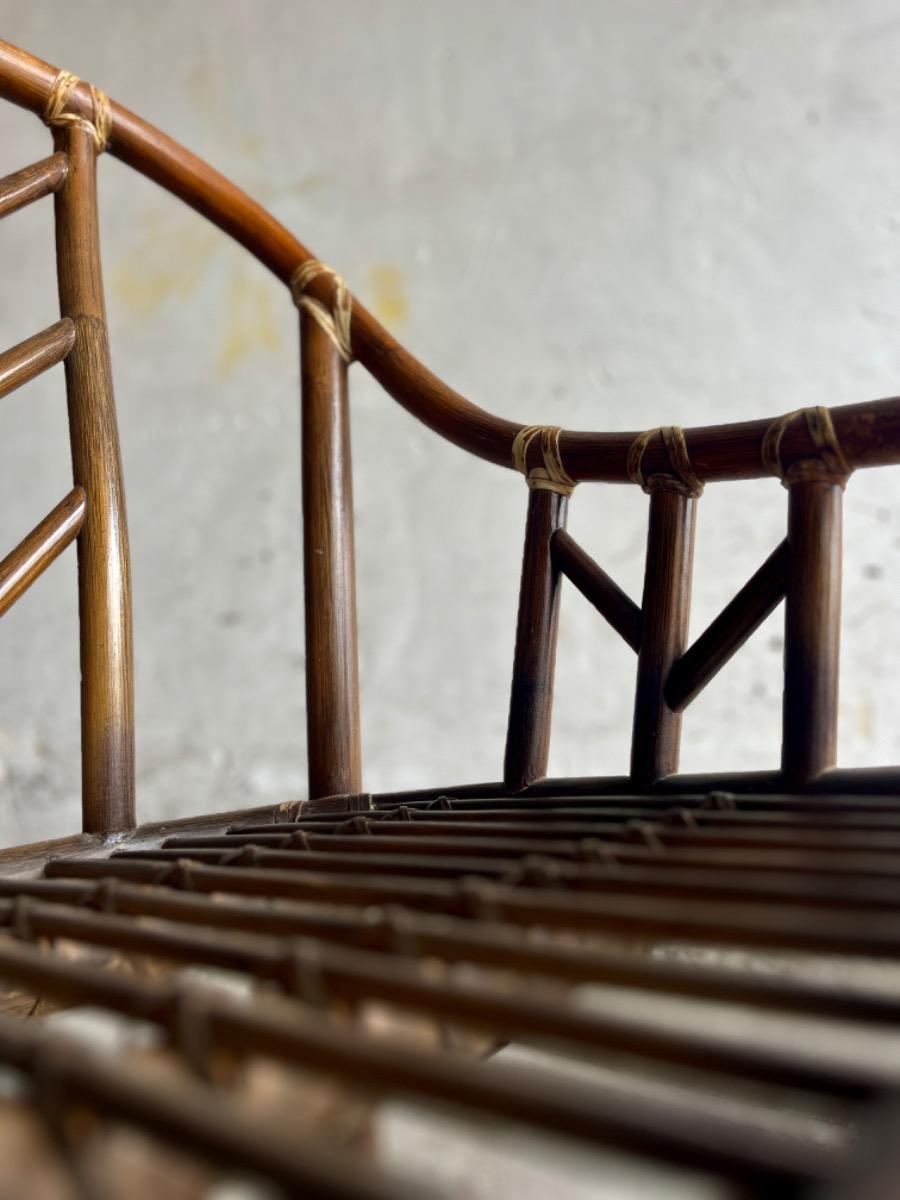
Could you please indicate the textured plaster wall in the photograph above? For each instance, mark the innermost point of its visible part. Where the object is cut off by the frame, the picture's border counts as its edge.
(603, 215)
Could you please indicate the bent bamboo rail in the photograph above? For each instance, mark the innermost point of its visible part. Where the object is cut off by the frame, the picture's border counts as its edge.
(869, 433)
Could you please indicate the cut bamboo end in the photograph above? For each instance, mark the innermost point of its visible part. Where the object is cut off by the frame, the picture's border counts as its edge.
(32, 183)
(35, 355)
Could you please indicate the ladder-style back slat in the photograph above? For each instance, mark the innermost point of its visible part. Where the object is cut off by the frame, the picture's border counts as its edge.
(35, 355)
(40, 548)
(31, 183)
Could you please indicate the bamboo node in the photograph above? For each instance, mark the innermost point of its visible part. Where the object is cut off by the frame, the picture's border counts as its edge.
(399, 926)
(478, 898)
(243, 856)
(55, 113)
(723, 801)
(305, 973)
(682, 478)
(552, 476)
(104, 897)
(337, 322)
(830, 465)
(646, 832)
(355, 825)
(192, 1036)
(20, 920)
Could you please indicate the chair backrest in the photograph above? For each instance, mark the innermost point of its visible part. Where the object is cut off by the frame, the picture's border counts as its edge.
(812, 452)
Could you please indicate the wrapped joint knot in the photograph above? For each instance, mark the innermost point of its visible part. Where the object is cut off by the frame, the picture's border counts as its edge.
(830, 463)
(682, 478)
(552, 476)
(336, 322)
(55, 113)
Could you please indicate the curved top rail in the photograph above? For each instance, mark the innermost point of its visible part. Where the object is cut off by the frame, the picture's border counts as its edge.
(869, 433)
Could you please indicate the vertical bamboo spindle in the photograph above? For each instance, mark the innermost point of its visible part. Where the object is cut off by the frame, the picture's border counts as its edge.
(812, 629)
(531, 699)
(666, 609)
(332, 677)
(104, 577)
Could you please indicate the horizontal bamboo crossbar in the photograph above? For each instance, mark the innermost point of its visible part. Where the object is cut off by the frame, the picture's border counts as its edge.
(36, 354)
(32, 183)
(41, 547)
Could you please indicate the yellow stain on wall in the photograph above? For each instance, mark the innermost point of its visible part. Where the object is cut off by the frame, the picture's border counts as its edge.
(864, 721)
(249, 323)
(169, 262)
(252, 145)
(202, 86)
(387, 288)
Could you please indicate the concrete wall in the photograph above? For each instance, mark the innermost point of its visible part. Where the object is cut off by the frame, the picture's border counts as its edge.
(604, 215)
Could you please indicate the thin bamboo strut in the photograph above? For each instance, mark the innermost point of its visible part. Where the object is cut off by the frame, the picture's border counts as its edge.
(596, 586)
(738, 620)
(594, 1112)
(32, 183)
(36, 354)
(41, 547)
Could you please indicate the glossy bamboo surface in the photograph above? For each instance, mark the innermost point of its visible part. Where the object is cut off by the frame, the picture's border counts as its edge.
(35, 355)
(32, 183)
(104, 569)
(329, 571)
(40, 548)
